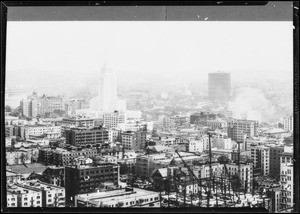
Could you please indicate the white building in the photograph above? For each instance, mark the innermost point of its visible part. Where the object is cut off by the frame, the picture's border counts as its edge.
(287, 185)
(107, 100)
(49, 131)
(19, 196)
(288, 123)
(128, 197)
(113, 119)
(261, 159)
(222, 143)
(36, 194)
(198, 144)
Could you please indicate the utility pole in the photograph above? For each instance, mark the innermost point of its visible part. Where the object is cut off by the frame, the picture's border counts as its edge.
(210, 168)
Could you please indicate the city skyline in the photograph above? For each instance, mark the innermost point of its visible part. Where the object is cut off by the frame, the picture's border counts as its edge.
(177, 50)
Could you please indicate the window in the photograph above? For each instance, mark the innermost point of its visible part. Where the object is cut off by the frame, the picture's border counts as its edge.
(25, 204)
(38, 202)
(13, 204)
(25, 199)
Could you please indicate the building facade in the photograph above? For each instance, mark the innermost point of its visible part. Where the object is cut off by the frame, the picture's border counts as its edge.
(238, 129)
(86, 136)
(288, 123)
(81, 179)
(134, 139)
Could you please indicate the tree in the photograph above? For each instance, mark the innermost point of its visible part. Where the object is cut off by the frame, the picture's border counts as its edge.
(223, 159)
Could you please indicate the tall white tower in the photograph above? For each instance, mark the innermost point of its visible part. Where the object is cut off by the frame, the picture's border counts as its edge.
(107, 93)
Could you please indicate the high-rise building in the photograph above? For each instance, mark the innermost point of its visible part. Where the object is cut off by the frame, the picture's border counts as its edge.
(107, 89)
(219, 86)
(107, 100)
(288, 123)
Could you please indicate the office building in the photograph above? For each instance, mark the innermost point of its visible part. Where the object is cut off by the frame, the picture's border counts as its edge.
(81, 179)
(86, 137)
(219, 86)
(113, 119)
(134, 140)
(238, 129)
(41, 105)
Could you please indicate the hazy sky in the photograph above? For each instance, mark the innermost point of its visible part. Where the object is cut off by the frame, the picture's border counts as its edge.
(79, 49)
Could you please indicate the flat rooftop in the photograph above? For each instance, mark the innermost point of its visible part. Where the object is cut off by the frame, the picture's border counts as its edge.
(34, 167)
(117, 195)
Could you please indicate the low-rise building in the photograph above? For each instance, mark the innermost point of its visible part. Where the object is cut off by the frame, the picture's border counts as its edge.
(18, 157)
(128, 197)
(38, 130)
(13, 177)
(35, 193)
(63, 157)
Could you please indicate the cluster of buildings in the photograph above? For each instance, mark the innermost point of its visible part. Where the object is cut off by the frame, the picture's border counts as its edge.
(81, 158)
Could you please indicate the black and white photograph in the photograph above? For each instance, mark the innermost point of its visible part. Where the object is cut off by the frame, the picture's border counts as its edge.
(155, 107)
